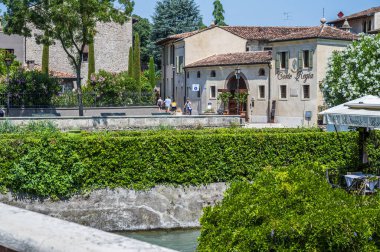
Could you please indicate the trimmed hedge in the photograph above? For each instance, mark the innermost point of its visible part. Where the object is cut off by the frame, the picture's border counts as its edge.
(60, 165)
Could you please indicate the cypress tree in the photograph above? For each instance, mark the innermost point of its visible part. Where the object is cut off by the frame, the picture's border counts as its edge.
(45, 59)
(152, 73)
(137, 64)
(130, 62)
(218, 13)
(91, 60)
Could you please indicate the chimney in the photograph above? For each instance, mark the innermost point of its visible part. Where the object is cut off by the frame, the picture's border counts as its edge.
(346, 26)
(323, 21)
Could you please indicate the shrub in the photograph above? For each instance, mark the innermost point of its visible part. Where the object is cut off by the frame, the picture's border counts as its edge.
(290, 209)
(143, 159)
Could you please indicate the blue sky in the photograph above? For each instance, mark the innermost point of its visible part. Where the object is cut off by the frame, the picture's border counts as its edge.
(270, 12)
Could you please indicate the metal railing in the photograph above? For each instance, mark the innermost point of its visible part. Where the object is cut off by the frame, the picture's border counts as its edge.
(70, 100)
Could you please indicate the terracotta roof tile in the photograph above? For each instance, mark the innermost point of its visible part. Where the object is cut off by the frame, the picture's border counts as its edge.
(360, 14)
(262, 33)
(245, 58)
(56, 74)
(326, 32)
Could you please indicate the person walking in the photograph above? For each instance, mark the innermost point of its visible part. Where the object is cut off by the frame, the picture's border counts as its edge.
(187, 107)
(167, 102)
(160, 103)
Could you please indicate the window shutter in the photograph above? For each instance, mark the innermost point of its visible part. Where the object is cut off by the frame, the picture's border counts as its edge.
(311, 52)
(300, 59)
(278, 57)
(287, 60)
(177, 64)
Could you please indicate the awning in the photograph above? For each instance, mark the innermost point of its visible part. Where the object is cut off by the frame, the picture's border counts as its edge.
(362, 112)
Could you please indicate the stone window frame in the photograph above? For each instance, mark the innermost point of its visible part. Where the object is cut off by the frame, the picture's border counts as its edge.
(303, 86)
(261, 90)
(280, 92)
(211, 92)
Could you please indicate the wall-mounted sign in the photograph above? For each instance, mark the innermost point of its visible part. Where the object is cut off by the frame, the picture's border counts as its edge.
(195, 87)
(299, 76)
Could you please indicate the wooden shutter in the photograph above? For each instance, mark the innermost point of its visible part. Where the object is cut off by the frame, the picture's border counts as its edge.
(311, 52)
(278, 58)
(177, 64)
(287, 60)
(300, 60)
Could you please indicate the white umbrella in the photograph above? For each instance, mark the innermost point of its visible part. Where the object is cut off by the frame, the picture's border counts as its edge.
(362, 112)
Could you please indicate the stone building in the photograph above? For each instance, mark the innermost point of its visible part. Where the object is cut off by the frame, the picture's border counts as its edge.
(279, 68)
(112, 43)
(367, 21)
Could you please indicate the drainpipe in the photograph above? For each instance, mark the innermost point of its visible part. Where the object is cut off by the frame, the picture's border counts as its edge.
(163, 84)
(184, 98)
(269, 91)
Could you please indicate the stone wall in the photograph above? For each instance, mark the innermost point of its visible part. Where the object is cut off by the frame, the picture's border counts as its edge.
(130, 122)
(112, 43)
(120, 209)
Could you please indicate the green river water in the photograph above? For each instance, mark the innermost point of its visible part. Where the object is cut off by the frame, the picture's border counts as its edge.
(180, 240)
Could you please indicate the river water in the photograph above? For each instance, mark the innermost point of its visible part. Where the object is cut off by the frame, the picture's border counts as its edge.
(184, 240)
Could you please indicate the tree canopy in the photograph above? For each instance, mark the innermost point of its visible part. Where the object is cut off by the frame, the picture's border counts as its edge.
(354, 72)
(218, 13)
(173, 17)
(71, 22)
(143, 27)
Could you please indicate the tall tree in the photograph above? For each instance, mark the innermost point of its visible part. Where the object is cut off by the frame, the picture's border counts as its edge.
(152, 73)
(45, 59)
(143, 27)
(173, 17)
(130, 62)
(72, 23)
(354, 72)
(137, 64)
(91, 60)
(218, 13)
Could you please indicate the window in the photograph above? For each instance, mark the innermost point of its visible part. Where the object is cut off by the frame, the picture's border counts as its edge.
(172, 57)
(247, 49)
(85, 54)
(212, 92)
(305, 59)
(283, 92)
(282, 59)
(306, 91)
(267, 48)
(369, 25)
(179, 64)
(199, 74)
(85, 57)
(261, 92)
(364, 26)
(261, 72)
(9, 51)
(213, 73)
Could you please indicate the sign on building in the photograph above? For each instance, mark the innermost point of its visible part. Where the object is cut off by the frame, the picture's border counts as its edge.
(195, 87)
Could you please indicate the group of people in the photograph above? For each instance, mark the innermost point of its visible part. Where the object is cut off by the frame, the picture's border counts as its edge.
(171, 106)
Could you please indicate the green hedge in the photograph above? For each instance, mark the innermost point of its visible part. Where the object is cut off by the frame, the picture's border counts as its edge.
(60, 165)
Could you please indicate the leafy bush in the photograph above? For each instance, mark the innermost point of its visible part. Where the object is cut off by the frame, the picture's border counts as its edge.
(291, 209)
(45, 127)
(158, 157)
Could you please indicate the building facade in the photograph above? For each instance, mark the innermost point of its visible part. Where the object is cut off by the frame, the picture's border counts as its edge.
(111, 46)
(367, 21)
(279, 70)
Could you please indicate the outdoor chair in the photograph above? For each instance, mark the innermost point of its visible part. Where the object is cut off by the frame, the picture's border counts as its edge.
(329, 181)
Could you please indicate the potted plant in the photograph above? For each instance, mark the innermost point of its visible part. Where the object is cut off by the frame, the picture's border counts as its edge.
(241, 99)
(224, 98)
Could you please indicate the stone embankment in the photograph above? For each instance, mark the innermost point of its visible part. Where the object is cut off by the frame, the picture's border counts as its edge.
(115, 210)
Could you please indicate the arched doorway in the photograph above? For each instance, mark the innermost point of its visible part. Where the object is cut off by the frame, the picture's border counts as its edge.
(236, 87)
